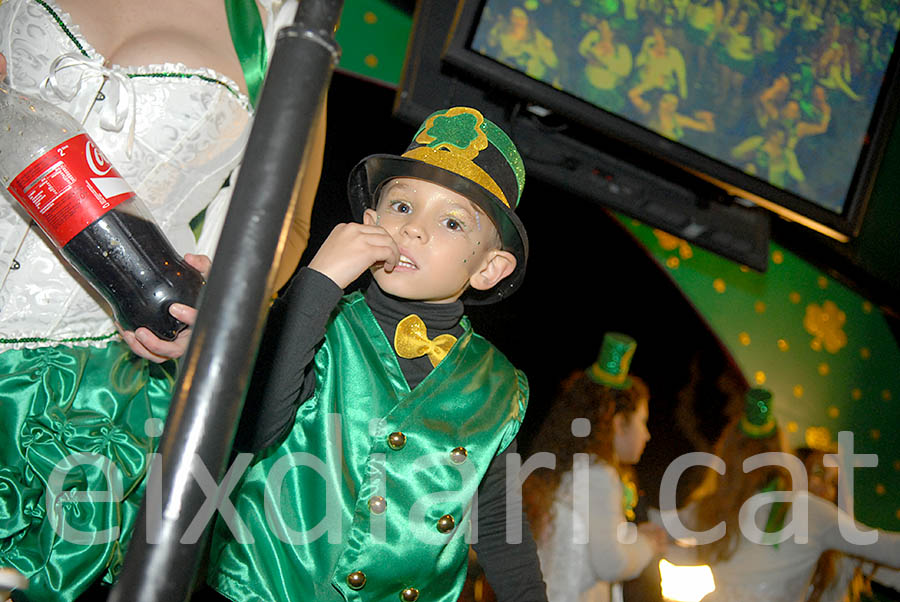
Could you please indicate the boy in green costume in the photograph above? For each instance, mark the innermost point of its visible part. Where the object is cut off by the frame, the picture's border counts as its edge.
(384, 414)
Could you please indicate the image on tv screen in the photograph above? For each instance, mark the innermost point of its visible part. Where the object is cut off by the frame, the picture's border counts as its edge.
(783, 90)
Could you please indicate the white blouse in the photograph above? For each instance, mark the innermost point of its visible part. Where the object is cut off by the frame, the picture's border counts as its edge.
(585, 548)
(174, 133)
(782, 574)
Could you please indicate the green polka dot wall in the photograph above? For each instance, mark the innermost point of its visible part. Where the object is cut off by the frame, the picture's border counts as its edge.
(372, 35)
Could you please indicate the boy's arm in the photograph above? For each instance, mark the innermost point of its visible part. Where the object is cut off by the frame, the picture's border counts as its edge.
(283, 377)
(512, 570)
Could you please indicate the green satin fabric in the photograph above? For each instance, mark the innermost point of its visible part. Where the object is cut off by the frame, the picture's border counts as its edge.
(249, 41)
(60, 406)
(474, 398)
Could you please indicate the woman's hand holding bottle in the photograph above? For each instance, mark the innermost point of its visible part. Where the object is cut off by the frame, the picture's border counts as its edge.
(149, 346)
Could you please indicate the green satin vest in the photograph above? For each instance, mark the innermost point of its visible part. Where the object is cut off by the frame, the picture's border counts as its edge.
(370, 473)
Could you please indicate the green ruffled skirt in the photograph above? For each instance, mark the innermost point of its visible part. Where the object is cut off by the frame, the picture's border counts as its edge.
(73, 421)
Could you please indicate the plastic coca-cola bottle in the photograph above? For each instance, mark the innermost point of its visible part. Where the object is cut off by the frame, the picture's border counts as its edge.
(59, 176)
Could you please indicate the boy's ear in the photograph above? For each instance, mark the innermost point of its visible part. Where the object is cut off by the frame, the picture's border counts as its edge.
(498, 265)
(370, 218)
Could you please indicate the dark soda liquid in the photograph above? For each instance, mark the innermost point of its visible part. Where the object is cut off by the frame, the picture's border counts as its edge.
(132, 264)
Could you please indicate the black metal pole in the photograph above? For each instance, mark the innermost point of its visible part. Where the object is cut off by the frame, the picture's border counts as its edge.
(166, 547)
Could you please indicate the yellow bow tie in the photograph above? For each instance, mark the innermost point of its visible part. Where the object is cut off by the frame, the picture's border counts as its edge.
(411, 341)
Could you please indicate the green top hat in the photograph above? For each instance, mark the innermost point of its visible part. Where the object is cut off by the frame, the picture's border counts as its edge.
(462, 150)
(758, 421)
(613, 361)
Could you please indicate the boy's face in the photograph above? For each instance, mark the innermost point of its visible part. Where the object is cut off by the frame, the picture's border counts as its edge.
(445, 243)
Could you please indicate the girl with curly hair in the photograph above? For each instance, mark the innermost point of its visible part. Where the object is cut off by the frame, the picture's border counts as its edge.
(579, 512)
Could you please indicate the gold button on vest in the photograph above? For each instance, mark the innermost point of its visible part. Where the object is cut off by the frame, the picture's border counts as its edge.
(458, 455)
(446, 523)
(397, 440)
(356, 580)
(377, 504)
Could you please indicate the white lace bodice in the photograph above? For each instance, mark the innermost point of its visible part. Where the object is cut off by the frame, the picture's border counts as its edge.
(174, 133)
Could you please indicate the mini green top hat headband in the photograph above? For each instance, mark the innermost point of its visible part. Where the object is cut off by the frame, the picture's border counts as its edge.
(758, 421)
(613, 361)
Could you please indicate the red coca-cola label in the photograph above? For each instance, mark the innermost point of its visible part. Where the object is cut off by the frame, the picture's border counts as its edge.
(69, 187)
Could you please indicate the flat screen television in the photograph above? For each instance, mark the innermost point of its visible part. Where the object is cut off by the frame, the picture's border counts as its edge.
(787, 104)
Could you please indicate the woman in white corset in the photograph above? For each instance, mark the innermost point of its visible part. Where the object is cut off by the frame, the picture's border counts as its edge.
(160, 87)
